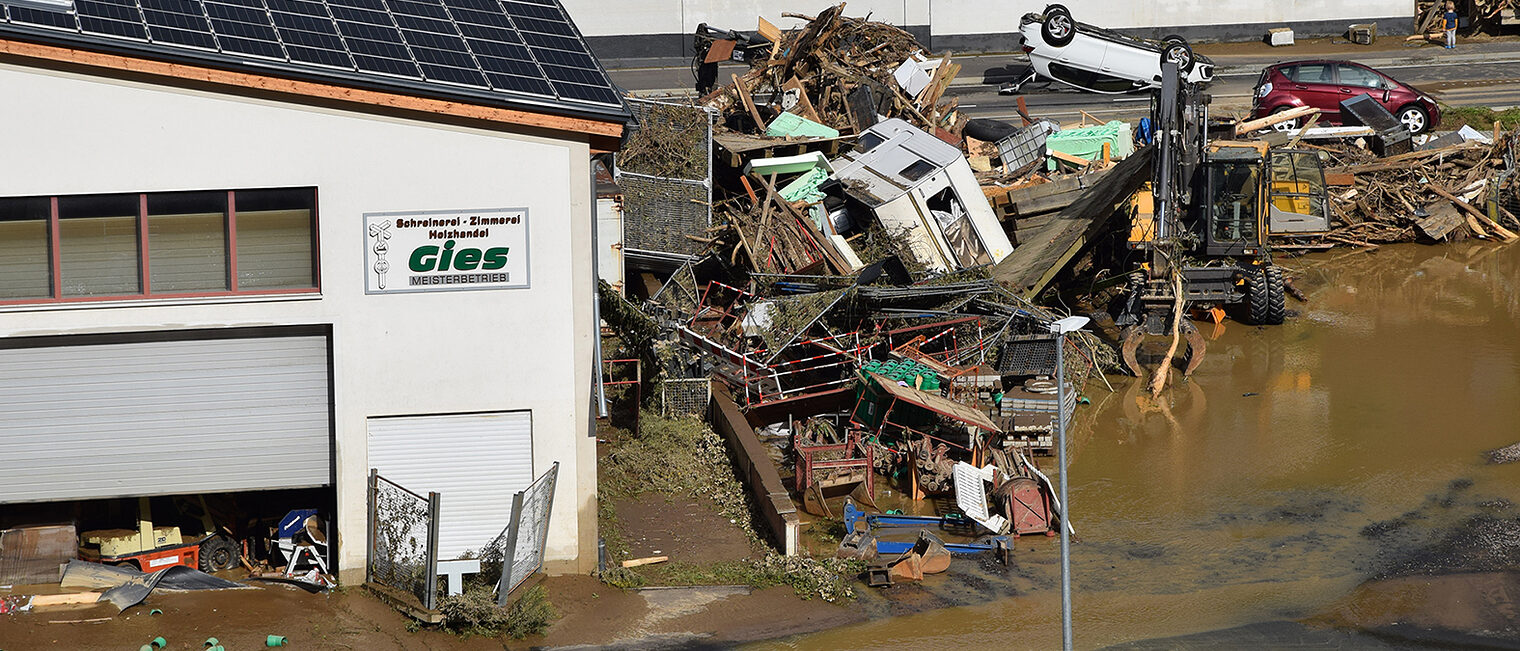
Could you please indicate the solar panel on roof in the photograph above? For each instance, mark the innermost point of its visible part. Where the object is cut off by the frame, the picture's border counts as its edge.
(509, 50)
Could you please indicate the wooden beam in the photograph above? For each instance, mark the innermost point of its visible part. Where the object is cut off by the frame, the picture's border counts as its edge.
(1242, 128)
(311, 89)
(1070, 158)
(749, 102)
(1467, 208)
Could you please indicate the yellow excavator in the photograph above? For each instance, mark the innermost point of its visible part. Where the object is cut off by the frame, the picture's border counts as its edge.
(1203, 222)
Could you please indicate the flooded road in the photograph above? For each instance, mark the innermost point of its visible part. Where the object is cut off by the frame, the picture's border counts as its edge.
(1300, 463)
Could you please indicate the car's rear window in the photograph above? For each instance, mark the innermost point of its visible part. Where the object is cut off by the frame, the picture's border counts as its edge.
(1287, 71)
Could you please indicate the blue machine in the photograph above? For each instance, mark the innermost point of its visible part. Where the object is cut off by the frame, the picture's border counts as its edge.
(863, 524)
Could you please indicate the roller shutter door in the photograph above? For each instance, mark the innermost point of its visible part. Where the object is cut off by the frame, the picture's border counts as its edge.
(164, 418)
(476, 462)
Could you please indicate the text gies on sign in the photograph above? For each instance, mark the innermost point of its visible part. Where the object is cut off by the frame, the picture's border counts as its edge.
(445, 250)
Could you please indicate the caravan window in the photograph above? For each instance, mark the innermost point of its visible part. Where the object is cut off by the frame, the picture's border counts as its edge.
(919, 169)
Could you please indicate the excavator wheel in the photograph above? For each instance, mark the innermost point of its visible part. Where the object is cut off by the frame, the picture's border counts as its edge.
(1277, 302)
(1265, 298)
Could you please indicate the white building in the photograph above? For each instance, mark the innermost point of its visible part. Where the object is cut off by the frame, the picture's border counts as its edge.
(266, 249)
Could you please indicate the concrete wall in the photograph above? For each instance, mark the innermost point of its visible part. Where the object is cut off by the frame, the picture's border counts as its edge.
(662, 28)
(426, 353)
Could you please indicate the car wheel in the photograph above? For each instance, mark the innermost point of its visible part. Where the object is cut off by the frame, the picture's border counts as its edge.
(1058, 28)
(1180, 53)
(1415, 119)
(1285, 125)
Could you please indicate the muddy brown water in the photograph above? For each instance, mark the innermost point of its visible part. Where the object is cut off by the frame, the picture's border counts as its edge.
(1307, 472)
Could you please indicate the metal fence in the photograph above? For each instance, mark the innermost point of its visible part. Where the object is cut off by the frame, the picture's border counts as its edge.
(403, 539)
(685, 396)
(521, 546)
(660, 211)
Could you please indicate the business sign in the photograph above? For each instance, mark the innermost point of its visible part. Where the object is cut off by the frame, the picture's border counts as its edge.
(443, 250)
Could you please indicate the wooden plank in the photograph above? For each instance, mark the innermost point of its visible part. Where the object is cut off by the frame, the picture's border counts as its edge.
(69, 599)
(1023, 111)
(1248, 126)
(749, 102)
(1043, 254)
(1044, 204)
(770, 32)
(1477, 229)
(1467, 208)
(1302, 130)
(1070, 158)
(247, 81)
(647, 560)
(1058, 186)
(719, 51)
(1340, 179)
(1440, 220)
(803, 103)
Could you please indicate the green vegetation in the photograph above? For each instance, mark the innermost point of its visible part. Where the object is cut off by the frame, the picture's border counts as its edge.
(475, 613)
(1481, 118)
(682, 455)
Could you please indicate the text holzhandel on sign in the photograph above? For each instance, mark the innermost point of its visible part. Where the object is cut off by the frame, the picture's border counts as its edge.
(445, 250)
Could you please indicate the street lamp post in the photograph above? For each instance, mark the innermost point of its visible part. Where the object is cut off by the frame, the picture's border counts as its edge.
(1060, 328)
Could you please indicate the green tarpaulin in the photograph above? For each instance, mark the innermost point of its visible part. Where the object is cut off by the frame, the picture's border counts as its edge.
(1087, 142)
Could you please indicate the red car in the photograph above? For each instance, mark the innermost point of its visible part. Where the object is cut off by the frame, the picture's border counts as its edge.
(1323, 84)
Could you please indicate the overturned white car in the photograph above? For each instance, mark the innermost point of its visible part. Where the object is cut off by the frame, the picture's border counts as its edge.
(1100, 60)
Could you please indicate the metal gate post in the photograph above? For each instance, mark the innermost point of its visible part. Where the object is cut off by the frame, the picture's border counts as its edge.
(431, 564)
(369, 548)
(508, 555)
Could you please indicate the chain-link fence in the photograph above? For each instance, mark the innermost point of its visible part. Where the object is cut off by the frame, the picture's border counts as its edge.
(661, 209)
(403, 539)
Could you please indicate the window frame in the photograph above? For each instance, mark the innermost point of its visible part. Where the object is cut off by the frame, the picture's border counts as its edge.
(144, 261)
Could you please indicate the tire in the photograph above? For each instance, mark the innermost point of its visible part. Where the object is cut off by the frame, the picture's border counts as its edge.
(1173, 38)
(1058, 27)
(987, 129)
(1180, 52)
(1277, 296)
(1286, 125)
(1414, 118)
(1265, 304)
(218, 553)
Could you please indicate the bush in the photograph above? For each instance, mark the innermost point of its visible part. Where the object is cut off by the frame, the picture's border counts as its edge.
(475, 612)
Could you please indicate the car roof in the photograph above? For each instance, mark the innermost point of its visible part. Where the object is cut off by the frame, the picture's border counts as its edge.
(1301, 61)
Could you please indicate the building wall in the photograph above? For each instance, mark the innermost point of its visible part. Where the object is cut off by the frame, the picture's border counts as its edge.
(662, 28)
(423, 353)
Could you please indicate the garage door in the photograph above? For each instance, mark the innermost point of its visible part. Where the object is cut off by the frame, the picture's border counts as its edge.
(163, 418)
(476, 462)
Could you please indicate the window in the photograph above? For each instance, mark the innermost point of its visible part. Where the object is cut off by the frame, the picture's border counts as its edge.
(115, 246)
(26, 265)
(1312, 73)
(1359, 76)
(919, 169)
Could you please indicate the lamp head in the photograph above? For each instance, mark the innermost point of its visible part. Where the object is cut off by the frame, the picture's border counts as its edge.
(1068, 324)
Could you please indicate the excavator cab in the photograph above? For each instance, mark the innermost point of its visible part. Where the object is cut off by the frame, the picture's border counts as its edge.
(1233, 206)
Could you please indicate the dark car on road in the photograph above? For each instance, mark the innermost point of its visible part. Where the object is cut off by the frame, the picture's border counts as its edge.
(1324, 84)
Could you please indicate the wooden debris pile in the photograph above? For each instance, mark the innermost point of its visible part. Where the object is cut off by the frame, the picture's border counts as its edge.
(818, 72)
(1449, 193)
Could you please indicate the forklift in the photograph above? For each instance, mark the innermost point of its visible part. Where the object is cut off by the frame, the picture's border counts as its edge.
(1202, 225)
(152, 547)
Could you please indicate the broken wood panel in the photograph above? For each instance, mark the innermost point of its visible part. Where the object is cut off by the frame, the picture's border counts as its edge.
(1033, 264)
(1068, 184)
(1442, 219)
